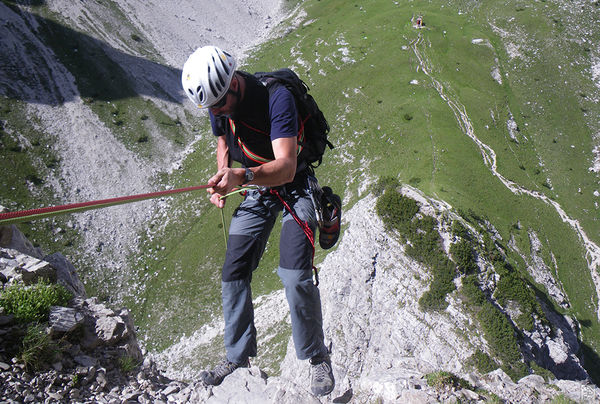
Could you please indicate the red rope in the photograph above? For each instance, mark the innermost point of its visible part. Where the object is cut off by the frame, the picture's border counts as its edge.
(26, 215)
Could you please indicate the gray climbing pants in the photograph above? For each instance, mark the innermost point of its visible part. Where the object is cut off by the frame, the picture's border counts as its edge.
(250, 228)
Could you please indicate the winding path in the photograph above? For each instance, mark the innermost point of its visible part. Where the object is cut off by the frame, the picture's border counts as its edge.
(489, 159)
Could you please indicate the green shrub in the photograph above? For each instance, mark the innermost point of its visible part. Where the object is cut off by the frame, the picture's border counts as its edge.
(425, 244)
(384, 183)
(463, 256)
(441, 285)
(396, 210)
(471, 290)
(491, 252)
(443, 379)
(497, 328)
(512, 287)
(482, 362)
(459, 230)
(32, 303)
(502, 339)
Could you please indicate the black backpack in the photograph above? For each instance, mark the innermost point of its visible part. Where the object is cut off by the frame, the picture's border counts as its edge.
(316, 127)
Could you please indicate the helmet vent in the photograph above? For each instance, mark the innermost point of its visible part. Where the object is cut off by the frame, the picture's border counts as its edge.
(221, 80)
(225, 67)
(213, 89)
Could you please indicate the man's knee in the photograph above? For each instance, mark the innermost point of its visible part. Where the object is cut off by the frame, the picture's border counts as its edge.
(296, 278)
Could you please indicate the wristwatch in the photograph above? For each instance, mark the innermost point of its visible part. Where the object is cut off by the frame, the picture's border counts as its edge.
(248, 176)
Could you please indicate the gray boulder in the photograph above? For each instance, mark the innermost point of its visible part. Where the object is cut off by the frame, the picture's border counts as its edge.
(11, 237)
(66, 274)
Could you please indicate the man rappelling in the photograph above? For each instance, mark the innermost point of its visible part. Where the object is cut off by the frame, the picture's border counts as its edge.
(258, 124)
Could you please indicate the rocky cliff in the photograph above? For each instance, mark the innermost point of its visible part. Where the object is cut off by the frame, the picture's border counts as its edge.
(384, 347)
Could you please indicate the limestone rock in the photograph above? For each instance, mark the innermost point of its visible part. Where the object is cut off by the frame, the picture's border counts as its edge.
(19, 267)
(66, 274)
(64, 319)
(12, 238)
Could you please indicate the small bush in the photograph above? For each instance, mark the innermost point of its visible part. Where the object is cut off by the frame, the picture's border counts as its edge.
(482, 362)
(396, 210)
(497, 328)
(471, 290)
(32, 303)
(512, 287)
(459, 230)
(425, 244)
(443, 379)
(463, 256)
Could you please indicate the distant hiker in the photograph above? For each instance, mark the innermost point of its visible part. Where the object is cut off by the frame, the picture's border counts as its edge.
(258, 127)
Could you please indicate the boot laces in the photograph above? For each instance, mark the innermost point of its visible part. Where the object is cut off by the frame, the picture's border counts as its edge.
(224, 368)
(321, 371)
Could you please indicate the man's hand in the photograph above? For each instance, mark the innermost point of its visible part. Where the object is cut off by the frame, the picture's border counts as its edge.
(223, 182)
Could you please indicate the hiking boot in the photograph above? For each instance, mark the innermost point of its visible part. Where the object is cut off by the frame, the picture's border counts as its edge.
(322, 381)
(215, 377)
(329, 231)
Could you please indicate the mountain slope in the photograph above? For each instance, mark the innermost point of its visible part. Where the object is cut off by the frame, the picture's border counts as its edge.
(490, 108)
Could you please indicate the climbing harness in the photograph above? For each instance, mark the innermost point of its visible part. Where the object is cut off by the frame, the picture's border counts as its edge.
(303, 225)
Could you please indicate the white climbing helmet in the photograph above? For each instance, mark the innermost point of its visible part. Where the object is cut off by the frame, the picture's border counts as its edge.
(206, 75)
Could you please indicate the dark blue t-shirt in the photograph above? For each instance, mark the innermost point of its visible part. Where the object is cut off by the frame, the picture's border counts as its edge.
(258, 120)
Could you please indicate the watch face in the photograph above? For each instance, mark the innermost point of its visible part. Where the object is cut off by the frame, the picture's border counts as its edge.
(249, 175)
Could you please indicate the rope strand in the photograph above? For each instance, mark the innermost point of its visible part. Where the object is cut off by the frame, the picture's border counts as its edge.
(33, 214)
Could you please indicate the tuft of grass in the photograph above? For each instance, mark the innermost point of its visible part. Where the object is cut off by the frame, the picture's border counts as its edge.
(38, 348)
(562, 399)
(32, 303)
(128, 363)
